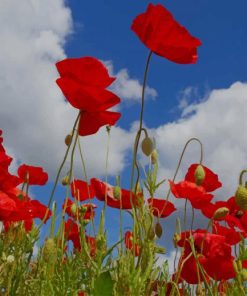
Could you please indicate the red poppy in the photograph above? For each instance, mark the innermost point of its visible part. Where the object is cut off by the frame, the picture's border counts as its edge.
(124, 201)
(213, 253)
(210, 208)
(161, 208)
(128, 239)
(232, 237)
(236, 217)
(195, 194)
(163, 35)
(7, 206)
(32, 175)
(81, 190)
(76, 211)
(72, 233)
(83, 82)
(210, 182)
(8, 181)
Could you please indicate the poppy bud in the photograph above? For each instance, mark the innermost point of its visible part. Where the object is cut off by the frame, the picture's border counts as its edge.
(65, 181)
(160, 250)
(68, 139)
(241, 197)
(199, 175)
(50, 250)
(243, 274)
(158, 230)
(221, 213)
(117, 192)
(176, 239)
(151, 233)
(73, 208)
(154, 156)
(147, 146)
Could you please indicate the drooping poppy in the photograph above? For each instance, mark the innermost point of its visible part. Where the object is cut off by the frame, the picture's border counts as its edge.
(32, 175)
(105, 192)
(161, 208)
(83, 81)
(210, 182)
(163, 35)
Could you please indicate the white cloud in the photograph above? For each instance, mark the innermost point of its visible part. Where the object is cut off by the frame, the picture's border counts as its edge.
(128, 88)
(34, 115)
(219, 122)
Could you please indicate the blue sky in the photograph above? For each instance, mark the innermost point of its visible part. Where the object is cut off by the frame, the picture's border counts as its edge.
(207, 99)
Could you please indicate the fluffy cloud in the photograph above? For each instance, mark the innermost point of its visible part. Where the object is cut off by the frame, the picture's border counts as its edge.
(219, 122)
(34, 115)
(128, 88)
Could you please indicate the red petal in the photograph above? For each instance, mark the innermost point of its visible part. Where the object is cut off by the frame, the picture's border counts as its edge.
(161, 208)
(86, 70)
(32, 175)
(91, 122)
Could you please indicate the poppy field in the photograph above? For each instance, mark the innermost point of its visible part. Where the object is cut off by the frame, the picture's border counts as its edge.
(75, 256)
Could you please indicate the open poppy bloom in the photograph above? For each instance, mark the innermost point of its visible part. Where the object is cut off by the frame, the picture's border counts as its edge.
(163, 35)
(213, 253)
(232, 236)
(105, 192)
(161, 208)
(83, 81)
(81, 190)
(32, 175)
(194, 193)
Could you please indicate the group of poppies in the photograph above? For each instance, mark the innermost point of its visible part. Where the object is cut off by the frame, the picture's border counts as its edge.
(15, 204)
(84, 83)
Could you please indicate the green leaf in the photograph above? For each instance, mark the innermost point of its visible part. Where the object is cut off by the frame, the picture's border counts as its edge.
(103, 285)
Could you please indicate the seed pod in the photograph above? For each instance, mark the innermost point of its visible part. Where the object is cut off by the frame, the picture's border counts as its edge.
(73, 208)
(241, 197)
(158, 229)
(65, 181)
(221, 213)
(243, 274)
(151, 233)
(199, 174)
(117, 192)
(68, 139)
(154, 156)
(147, 146)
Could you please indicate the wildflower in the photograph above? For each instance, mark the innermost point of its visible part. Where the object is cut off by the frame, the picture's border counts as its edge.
(161, 208)
(32, 175)
(163, 35)
(84, 81)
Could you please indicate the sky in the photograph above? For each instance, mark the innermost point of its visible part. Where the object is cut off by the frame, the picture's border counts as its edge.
(205, 100)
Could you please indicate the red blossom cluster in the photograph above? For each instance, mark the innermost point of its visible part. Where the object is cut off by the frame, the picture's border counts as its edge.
(15, 204)
(212, 251)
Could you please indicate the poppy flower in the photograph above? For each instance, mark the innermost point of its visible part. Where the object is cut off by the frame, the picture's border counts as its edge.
(232, 237)
(213, 253)
(210, 208)
(161, 208)
(86, 211)
(163, 35)
(210, 182)
(128, 239)
(194, 193)
(32, 175)
(83, 82)
(81, 190)
(7, 206)
(126, 200)
(236, 217)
